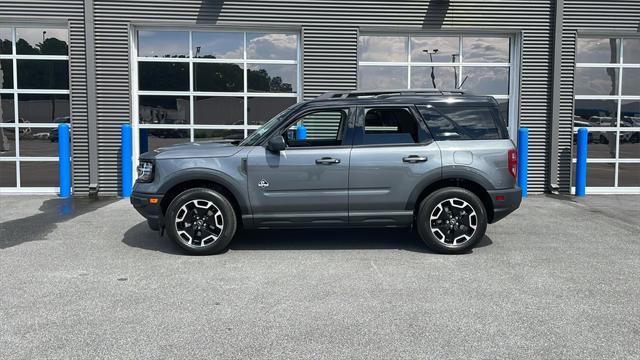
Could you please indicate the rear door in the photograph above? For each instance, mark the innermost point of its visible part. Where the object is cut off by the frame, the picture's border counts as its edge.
(307, 183)
(393, 153)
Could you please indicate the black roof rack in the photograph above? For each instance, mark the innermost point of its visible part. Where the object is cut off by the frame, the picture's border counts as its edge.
(387, 93)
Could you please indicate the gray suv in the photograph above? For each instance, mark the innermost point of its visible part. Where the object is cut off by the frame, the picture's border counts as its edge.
(439, 161)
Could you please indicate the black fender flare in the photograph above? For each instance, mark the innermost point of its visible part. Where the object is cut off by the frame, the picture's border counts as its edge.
(211, 175)
(452, 172)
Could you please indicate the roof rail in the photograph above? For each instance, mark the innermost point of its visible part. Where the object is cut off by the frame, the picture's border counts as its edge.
(387, 93)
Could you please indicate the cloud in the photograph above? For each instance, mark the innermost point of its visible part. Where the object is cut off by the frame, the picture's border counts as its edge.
(272, 46)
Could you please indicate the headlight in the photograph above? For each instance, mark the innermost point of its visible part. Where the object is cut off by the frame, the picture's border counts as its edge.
(145, 171)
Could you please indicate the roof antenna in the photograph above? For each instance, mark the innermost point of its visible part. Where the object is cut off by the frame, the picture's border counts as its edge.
(462, 83)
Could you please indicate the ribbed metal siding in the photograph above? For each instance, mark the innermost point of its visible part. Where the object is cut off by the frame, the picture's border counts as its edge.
(336, 21)
(71, 12)
(329, 63)
(601, 16)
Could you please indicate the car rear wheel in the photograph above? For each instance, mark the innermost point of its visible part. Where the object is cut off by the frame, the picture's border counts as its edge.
(201, 221)
(451, 220)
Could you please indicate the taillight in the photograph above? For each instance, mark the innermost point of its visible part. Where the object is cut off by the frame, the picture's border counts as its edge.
(512, 162)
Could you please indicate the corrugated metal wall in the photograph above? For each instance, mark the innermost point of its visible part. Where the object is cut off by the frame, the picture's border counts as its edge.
(330, 47)
(70, 12)
(602, 16)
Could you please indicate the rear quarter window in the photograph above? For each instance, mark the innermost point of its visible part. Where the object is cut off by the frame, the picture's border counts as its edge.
(464, 123)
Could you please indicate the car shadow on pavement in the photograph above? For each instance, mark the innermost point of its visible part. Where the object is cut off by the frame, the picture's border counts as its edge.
(141, 236)
(52, 211)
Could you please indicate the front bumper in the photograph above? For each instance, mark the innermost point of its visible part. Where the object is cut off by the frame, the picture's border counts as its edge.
(505, 202)
(152, 212)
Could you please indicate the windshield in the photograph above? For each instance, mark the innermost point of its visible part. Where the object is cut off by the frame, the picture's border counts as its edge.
(255, 137)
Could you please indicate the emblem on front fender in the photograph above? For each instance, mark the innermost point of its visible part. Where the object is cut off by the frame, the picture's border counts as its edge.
(263, 183)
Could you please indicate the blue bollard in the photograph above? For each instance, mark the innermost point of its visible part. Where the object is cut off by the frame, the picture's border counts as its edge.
(523, 159)
(581, 162)
(301, 132)
(144, 141)
(126, 161)
(64, 160)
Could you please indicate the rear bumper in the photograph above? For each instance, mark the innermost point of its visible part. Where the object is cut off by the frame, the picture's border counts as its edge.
(152, 212)
(511, 199)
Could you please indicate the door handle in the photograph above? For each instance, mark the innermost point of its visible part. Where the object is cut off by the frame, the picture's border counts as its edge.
(327, 161)
(412, 159)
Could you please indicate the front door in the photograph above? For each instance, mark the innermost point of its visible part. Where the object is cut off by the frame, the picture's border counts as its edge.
(307, 183)
(392, 155)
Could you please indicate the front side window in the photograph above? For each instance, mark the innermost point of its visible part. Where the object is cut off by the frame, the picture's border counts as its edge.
(392, 126)
(321, 128)
(463, 123)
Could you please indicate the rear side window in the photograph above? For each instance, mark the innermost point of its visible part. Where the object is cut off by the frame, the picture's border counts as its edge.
(392, 126)
(464, 123)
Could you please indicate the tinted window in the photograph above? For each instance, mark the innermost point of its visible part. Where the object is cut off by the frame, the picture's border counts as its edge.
(392, 126)
(463, 123)
(324, 128)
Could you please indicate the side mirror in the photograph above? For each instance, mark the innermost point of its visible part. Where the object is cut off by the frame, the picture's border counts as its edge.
(276, 144)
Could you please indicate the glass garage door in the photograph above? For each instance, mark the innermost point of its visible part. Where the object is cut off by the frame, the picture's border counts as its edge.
(607, 102)
(34, 99)
(480, 64)
(199, 85)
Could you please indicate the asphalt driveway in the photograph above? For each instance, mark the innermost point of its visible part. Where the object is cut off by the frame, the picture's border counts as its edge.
(87, 279)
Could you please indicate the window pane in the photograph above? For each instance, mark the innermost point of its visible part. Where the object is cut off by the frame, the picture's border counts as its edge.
(392, 126)
(600, 144)
(486, 80)
(323, 125)
(601, 50)
(503, 108)
(272, 46)
(271, 78)
(600, 174)
(155, 109)
(8, 174)
(382, 77)
(42, 108)
(212, 110)
(630, 144)
(7, 141)
(631, 81)
(382, 48)
(261, 109)
(589, 113)
(630, 111)
(218, 45)
(463, 123)
(151, 139)
(441, 48)
(5, 41)
(43, 74)
(218, 77)
(628, 174)
(166, 44)
(7, 110)
(39, 41)
(485, 49)
(38, 142)
(631, 51)
(6, 74)
(39, 173)
(433, 77)
(596, 81)
(167, 76)
(218, 134)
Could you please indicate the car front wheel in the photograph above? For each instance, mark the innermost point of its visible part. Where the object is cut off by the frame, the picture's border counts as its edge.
(451, 220)
(201, 221)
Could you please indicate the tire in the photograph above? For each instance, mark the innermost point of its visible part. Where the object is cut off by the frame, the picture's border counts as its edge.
(204, 216)
(455, 212)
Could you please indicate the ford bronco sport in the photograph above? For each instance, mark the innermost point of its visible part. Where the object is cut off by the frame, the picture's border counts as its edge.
(439, 161)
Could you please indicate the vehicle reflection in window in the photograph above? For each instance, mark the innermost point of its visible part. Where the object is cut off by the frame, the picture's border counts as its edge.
(160, 109)
(152, 139)
(596, 113)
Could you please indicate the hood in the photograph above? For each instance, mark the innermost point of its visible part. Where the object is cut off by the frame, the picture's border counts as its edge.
(214, 148)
